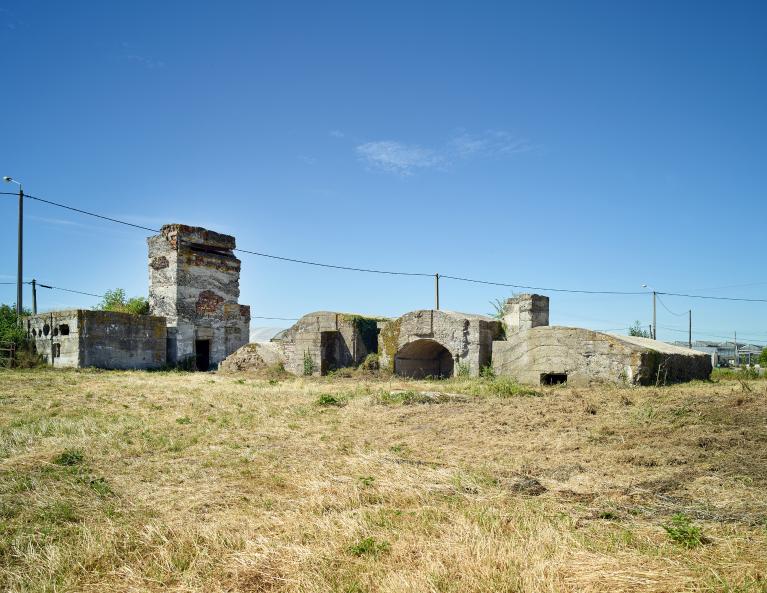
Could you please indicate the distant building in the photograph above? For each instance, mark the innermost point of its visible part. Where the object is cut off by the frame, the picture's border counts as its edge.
(723, 353)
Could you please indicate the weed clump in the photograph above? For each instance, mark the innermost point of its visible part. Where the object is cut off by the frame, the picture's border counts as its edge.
(330, 400)
(369, 546)
(69, 457)
(683, 532)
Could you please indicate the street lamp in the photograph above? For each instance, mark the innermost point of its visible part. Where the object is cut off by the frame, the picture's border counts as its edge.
(20, 265)
(654, 327)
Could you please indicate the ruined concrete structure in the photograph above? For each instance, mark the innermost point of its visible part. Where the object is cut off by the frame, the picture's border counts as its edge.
(535, 353)
(432, 343)
(194, 286)
(194, 282)
(104, 339)
(324, 341)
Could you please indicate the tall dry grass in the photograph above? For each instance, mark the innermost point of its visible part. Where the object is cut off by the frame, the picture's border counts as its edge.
(129, 481)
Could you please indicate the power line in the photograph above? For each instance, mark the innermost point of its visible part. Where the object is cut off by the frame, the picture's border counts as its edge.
(98, 296)
(312, 263)
(669, 310)
(539, 287)
(138, 226)
(716, 298)
(398, 273)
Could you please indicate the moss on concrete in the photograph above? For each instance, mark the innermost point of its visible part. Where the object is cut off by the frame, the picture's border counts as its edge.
(389, 341)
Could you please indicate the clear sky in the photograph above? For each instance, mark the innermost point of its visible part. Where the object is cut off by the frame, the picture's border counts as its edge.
(588, 145)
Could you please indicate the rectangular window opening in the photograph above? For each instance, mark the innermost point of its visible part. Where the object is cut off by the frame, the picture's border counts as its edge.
(553, 378)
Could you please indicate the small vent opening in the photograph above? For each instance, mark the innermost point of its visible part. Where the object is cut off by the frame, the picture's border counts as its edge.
(553, 378)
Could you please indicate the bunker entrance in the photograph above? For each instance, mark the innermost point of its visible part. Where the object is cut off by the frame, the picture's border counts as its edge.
(335, 353)
(202, 354)
(553, 378)
(423, 358)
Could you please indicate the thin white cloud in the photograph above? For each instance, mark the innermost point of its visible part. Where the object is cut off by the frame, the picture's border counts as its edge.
(395, 157)
(337, 133)
(403, 159)
(145, 61)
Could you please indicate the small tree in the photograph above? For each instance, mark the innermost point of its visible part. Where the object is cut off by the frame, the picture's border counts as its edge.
(115, 300)
(10, 330)
(763, 358)
(638, 331)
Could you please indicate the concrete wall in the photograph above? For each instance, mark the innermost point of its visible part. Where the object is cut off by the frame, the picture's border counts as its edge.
(332, 341)
(103, 339)
(526, 311)
(467, 338)
(586, 357)
(194, 281)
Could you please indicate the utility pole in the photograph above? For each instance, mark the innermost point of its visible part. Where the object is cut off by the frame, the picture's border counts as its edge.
(436, 291)
(34, 297)
(689, 329)
(736, 350)
(653, 327)
(20, 263)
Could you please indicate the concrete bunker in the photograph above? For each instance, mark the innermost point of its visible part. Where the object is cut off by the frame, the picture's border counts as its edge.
(431, 343)
(325, 341)
(424, 358)
(539, 354)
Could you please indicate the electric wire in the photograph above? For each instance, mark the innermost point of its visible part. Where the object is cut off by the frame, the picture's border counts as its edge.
(669, 310)
(400, 273)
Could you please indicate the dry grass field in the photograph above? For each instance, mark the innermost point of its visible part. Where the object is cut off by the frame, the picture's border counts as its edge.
(132, 481)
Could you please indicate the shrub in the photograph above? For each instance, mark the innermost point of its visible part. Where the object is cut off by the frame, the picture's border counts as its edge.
(371, 362)
(462, 370)
(487, 372)
(115, 300)
(10, 330)
(747, 372)
(683, 532)
(763, 358)
(638, 331)
(308, 364)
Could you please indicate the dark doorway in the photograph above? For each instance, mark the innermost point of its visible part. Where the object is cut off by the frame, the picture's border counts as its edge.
(202, 354)
(553, 378)
(424, 358)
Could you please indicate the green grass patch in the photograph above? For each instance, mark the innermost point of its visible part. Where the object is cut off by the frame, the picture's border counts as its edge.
(369, 546)
(69, 457)
(328, 400)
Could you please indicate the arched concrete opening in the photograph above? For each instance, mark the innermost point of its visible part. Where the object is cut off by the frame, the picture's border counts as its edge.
(423, 358)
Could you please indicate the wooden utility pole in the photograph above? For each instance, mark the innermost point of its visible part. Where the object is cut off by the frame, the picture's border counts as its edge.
(654, 323)
(436, 291)
(736, 350)
(34, 297)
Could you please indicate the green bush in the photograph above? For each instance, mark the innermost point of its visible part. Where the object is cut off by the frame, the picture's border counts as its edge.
(115, 300)
(638, 331)
(10, 330)
(308, 364)
(371, 362)
(763, 358)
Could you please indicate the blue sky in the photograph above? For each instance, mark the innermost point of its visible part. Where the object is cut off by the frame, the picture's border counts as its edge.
(593, 145)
